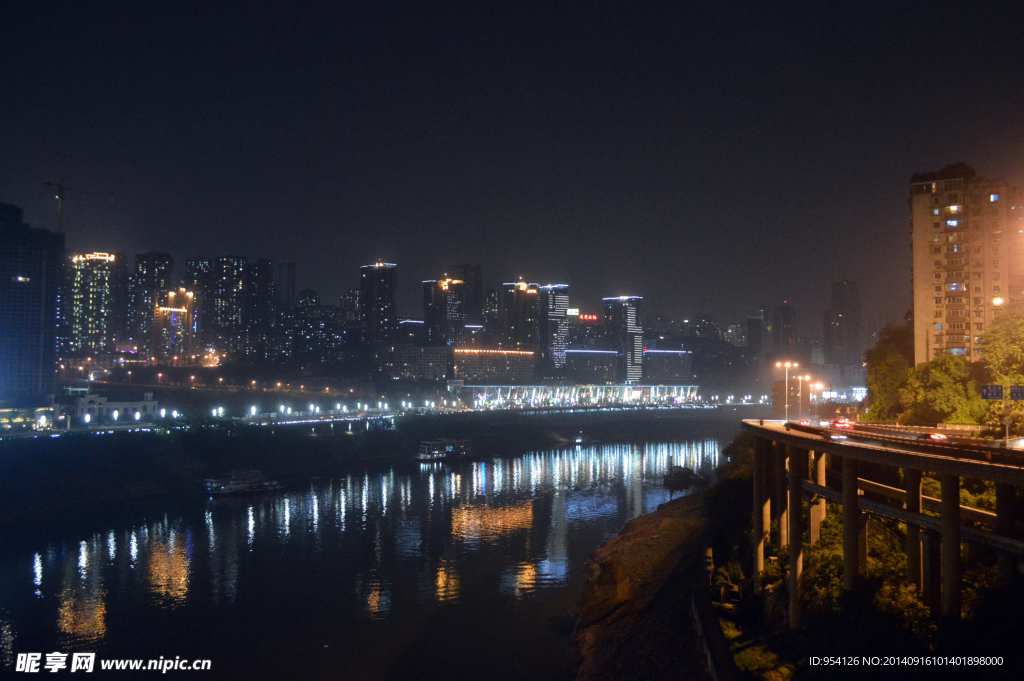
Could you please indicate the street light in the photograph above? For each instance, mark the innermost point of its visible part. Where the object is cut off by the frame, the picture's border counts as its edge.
(787, 365)
(800, 393)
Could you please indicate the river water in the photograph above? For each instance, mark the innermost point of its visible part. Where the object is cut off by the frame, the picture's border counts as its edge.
(434, 571)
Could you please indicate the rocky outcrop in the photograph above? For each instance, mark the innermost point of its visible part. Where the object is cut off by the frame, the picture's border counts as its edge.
(634, 618)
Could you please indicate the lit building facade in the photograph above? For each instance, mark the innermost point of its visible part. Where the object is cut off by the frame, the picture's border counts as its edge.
(784, 331)
(968, 258)
(226, 307)
(625, 334)
(150, 283)
(379, 311)
(93, 281)
(473, 291)
(174, 328)
(520, 315)
(30, 273)
(444, 315)
(494, 367)
(553, 328)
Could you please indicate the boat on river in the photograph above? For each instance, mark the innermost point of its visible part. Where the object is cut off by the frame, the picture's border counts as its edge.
(241, 482)
(444, 450)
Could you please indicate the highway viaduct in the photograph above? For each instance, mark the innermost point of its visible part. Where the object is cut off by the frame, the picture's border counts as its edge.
(789, 464)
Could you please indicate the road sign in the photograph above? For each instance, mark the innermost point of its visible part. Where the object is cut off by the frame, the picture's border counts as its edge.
(1017, 392)
(991, 392)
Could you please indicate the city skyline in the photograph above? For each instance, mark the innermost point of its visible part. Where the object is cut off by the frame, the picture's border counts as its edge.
(698, 156)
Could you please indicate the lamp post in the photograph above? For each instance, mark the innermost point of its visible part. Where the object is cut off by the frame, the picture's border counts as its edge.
(800, 393)
(787, 365)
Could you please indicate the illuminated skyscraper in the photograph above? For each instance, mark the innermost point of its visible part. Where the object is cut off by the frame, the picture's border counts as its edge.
(30, 267)
(444, 316)
(473, 291)
(377, 286)
(93, 285)
(227, 307)
(151, 281)
(174, 327)
(968, 258)
(520, 313)
(624, 334)
(553, 327)
(259, 306)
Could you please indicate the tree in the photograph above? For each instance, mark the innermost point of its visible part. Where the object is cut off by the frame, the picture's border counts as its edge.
(1002, 348)
(888, 365)
(944, 390)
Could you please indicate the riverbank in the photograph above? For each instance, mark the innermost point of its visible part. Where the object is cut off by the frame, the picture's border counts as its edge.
(46, 476)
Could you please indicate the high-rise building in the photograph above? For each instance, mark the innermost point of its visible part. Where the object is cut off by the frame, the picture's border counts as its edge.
(968, 258)
(228, 302)
(30, 272)
(473, 291)
(151, 281)
(174, 327)
(842, 337)
(553, 328)
(624, 334)
(377, 287)
(784, 330)
(94, 282)
(520, 316)
(284, 286)
(757, 331)
(444, 316)
(259, 306)
(493, 330)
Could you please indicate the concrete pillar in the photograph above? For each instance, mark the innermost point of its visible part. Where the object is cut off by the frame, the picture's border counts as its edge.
(851, 522)
(817, 505)
(931, 579)
(797, 474)
(782, 492)
(862, 543)
(950, 546)
(912, 483)
(1005, 494)
(758, 520)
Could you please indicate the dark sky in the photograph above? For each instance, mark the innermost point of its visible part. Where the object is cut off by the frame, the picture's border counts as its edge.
(709, 156)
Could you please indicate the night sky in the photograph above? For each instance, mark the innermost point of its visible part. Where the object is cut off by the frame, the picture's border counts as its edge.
(709, 156)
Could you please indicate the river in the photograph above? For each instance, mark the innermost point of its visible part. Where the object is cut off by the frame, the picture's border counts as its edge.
(433, 571)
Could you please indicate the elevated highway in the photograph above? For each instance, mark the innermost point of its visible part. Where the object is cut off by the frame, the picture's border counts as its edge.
(790, 463)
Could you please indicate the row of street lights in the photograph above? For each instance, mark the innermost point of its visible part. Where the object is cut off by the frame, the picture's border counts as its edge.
(799, 389)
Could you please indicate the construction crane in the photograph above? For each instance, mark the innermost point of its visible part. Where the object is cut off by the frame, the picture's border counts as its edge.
(61, 191)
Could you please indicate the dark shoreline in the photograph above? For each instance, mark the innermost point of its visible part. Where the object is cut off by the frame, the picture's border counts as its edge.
(44, 478)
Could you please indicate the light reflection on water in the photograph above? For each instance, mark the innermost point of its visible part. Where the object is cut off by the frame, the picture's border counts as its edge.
(376, 544)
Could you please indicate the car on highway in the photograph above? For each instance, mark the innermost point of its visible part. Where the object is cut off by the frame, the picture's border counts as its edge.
(933, 437)
(842, 424)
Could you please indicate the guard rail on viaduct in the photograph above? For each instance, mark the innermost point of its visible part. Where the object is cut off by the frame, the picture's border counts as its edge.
(790, 464)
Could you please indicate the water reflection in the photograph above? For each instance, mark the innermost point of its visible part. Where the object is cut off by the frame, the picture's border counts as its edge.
(379, 541)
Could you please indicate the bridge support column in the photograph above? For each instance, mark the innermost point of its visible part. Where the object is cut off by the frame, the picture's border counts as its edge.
(817, 505)
(1004, 525)
(931, 585)
(781, 487)
(950, 546)
(760, 503)
(851, 524)
(797, 474)
(912, 483)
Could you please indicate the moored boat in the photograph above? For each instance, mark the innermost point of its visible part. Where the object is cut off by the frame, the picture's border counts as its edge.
(444, 450)
(241, 482)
